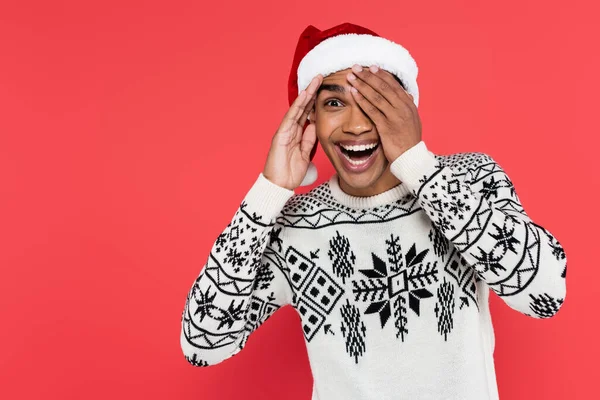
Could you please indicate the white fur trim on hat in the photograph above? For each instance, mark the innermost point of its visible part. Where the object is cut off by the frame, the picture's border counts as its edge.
(343, 51)
(311, 175)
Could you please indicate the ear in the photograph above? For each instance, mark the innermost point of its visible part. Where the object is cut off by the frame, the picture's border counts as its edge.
(311, 115)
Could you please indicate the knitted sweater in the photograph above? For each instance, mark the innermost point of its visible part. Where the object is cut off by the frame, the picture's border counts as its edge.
(392, 289)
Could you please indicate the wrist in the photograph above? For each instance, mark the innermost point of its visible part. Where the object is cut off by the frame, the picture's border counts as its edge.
(275, 181)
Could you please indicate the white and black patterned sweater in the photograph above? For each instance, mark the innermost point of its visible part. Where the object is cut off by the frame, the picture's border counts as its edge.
(392, 290)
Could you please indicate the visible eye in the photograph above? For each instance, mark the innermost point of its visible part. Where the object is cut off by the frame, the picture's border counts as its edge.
(328, 102)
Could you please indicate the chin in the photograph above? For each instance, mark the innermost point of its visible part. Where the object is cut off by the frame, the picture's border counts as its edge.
(364, 179)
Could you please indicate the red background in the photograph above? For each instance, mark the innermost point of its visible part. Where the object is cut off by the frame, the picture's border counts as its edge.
(131, 130)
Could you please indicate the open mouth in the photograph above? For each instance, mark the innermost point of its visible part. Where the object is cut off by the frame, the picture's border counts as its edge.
(358, 155)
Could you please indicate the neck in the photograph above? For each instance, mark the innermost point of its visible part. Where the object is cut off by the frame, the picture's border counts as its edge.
(385, 182)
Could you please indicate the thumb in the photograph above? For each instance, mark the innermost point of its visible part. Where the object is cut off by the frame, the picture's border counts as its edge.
(309, 137)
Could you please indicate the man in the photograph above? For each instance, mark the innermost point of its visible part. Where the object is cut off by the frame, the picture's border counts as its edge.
(389, 263)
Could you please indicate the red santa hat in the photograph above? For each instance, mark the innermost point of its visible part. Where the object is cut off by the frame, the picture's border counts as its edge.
(326, 52)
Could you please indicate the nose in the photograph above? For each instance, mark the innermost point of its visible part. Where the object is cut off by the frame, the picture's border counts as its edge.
(357, 122)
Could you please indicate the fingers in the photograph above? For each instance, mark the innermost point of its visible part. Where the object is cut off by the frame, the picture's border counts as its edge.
(307, 97)
(307, 111)
(314, 84)
(380, 87)
(309, 138)
(312, 93)
(373, 88)
(301, 107)
(372, 111)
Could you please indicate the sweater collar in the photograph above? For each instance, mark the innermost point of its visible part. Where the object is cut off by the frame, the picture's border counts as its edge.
(389, 196)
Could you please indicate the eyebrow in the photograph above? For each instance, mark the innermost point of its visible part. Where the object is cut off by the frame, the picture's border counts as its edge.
(331, 87)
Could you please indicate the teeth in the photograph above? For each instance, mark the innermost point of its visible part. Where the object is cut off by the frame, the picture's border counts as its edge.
(360, 148)
(353, 162)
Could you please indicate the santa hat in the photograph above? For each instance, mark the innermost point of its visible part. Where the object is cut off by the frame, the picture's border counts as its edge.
(326, 52)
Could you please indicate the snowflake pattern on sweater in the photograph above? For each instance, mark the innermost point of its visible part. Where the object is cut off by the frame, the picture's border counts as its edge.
(362, 270)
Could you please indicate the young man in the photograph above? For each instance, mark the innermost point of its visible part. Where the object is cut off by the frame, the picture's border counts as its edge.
(389, 263)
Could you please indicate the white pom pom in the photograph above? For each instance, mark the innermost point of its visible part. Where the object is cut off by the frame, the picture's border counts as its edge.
(311, 175)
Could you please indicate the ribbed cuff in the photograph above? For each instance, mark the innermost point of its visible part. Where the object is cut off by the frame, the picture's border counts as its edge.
(267, 198)
(414, 164)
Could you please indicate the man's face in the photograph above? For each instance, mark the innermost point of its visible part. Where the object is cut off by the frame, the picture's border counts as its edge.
(340, 123)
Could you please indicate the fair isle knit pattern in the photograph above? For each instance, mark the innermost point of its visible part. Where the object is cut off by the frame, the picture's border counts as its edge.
(391, 290)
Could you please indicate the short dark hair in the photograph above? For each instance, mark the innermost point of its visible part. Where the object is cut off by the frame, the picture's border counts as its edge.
(399, 81)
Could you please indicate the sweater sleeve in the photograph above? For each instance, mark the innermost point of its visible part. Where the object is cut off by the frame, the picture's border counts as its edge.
(473, 203)
(242, 283)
